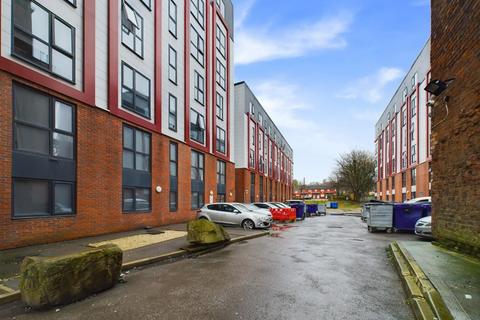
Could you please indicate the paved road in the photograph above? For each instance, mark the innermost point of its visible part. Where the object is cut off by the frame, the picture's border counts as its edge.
(323, 268)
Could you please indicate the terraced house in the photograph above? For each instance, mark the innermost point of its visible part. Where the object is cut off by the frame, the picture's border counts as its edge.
(114, 115)
(403, 135)
(263, 157)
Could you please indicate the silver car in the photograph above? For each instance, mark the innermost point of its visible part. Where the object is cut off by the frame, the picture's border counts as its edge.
(423, 227)
(236, 214)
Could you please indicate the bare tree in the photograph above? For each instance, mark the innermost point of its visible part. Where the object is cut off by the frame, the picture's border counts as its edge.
(354, 173)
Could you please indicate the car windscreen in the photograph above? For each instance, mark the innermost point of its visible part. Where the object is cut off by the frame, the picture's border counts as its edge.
(242, 207)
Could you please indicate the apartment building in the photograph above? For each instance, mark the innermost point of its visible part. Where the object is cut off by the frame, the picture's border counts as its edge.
(263, 158)
(403, 135)
(317, 192)
(114, 115)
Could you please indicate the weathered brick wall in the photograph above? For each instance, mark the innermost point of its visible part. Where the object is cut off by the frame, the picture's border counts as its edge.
(456, 140)
(99, 181)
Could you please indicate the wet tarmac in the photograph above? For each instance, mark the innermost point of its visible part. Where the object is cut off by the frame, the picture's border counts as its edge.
(322, 268)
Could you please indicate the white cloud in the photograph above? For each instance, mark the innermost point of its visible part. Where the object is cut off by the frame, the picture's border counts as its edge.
(261, 43)
(371, 88)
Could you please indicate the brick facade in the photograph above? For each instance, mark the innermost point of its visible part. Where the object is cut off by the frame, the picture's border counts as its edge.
(456, 136)
(99, 181)
(280, 190)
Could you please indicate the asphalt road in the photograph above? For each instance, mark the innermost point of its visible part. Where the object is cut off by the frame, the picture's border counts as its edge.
(322, 268)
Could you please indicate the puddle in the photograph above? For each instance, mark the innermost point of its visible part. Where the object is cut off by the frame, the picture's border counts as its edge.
(276, 227)
(276, 235)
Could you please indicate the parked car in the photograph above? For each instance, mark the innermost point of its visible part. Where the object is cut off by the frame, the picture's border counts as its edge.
(420, 200)
(236, 214)
(423, 227)
(280, 205)
(264, 205)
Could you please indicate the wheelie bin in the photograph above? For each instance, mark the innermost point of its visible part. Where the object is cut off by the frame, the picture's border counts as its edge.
(312, 209)
(405, 215)
(300, 209)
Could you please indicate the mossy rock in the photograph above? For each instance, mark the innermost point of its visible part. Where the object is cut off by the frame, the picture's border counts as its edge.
(53, 281)
(206, 232)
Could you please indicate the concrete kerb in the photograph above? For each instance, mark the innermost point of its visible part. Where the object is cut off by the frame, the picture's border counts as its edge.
(423, 297)
(14, 295)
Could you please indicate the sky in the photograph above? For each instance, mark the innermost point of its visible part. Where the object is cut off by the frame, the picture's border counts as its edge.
(325, 70)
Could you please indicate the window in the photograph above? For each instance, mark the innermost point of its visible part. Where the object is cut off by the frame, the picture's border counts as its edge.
(147, 3)
(414, 194)
(173, 197)
(197, 46)
(132, 29)
(220, 140)
(197, 127)
(172, 17)
(252, 187)
(414, 81)
(393, 183)
(43, 39)
(404, 179)
(220, 104)
(221, 181)
(261, 189)
(412, 131)
(405, 94)
(135, 91)
(172, 112)
(252, 108)
(197, 177)
(198, 7)
(413, 107)
(404, 197)
(221, 6)
(44, 179)
(172, 65)
(199, 88)
(136, 170)
(251, 159)
(42, 125)
(221, 42)
(414, 154)
(221, 75)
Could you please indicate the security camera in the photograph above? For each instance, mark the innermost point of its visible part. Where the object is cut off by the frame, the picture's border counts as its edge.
(431, 103)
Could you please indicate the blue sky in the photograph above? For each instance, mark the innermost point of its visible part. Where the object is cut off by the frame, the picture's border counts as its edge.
(325, 70)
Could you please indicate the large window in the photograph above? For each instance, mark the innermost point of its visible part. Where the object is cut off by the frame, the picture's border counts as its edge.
(172, 65)
(220, 141)
(198, 10)
(220, 106)
(261, 189)
(221, 74)
(136, 170)
(414, 176)
(221, 181)
(43, 154)
(252, 187)
(197, 127)
(221, 6)
(404, 179)
(199, 88)
(132, 29)
(43, 39)
(173, 196)
(172, 17)
(135, 91)
(172, 112)
(221, 42)
(197, 48)
(197, 180)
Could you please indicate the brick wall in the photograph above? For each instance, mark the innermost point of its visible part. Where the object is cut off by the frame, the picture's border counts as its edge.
(243, 183)
(456, 140)
(99, 181)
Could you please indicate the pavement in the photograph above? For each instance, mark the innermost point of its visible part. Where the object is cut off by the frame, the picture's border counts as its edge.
(10, 260)
(456, 277)
(326, 267)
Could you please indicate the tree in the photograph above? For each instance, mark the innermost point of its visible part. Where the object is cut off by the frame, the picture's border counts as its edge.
(354, 173)
(296, 185)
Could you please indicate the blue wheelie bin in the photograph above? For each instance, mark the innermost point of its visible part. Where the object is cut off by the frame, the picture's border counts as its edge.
(300, 209)
(405, 215)
(312, 209)
(334, 205)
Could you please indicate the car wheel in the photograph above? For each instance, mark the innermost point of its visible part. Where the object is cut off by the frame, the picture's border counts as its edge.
(248, 224)
(202, 218)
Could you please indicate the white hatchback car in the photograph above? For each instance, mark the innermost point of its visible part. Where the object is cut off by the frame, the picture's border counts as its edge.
(236, 214)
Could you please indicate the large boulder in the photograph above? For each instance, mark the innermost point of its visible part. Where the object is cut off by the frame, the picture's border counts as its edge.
(206, 232)
(49, 282)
